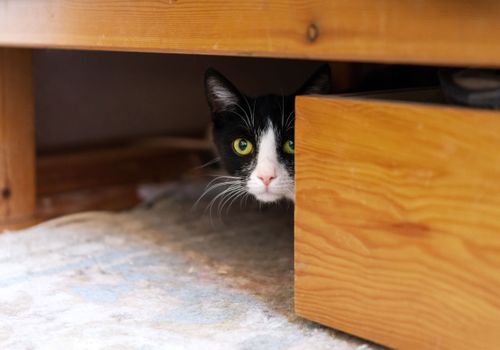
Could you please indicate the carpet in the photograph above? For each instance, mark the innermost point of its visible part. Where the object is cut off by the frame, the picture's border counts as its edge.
(161, 277)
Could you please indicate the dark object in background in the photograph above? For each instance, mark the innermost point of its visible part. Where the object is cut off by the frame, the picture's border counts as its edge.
(379, 77)
(472, 87)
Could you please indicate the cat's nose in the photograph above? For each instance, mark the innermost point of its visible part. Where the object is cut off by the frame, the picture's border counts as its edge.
(266, 179)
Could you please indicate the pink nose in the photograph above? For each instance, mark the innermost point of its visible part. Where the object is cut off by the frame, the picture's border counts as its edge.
(266, 179)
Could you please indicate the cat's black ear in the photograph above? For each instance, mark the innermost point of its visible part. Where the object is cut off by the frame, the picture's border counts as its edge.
(221, 94)
(320, 83)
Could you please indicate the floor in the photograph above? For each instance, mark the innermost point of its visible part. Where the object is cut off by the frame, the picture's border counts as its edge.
(168, 275)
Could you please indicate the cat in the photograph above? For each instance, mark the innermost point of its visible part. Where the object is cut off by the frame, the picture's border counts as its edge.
(254, 137)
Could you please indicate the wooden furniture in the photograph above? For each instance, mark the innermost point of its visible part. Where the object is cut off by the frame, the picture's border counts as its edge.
(397, 233)
(428, 31)
(398, 221)
(17, 136)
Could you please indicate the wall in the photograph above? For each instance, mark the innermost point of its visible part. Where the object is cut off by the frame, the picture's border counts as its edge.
(87, 97)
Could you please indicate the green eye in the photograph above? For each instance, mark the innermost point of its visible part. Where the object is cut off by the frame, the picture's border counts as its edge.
(288, 147)
(242, 147)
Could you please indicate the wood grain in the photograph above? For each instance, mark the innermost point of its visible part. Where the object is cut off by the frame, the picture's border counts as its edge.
(135, 161)
(397, 235)
(439, 32)
(17, 137)
(107, 177)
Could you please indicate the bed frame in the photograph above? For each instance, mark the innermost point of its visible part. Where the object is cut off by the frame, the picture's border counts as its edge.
(398, 232)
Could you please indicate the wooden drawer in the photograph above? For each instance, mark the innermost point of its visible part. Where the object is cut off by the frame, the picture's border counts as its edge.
(397, 233)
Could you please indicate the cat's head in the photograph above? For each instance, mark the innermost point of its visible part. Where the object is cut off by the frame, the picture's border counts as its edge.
(254, 136)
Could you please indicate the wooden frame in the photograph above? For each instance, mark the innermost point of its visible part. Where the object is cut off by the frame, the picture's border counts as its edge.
(17, 137)
(428, 31)
(104, 177)
(338, 290)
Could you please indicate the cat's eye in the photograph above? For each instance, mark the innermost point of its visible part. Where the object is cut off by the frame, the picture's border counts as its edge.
(288, 147)
(242, 147)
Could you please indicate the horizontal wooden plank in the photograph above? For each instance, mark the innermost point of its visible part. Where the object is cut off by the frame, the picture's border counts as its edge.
(107, 177)
(109, 198)
(149, 159)
(427, 31)
(397, 221)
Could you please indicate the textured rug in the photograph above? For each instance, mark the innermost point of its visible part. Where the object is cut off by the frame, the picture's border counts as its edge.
(166, 277)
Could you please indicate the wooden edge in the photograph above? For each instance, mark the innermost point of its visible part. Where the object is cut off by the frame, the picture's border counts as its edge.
(428, 32)
(147, 159)
(17, 135)
(418, 97)
(385, 192)
(107, 178)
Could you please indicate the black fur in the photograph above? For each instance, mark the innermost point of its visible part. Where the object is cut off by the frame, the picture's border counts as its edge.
(247, 117)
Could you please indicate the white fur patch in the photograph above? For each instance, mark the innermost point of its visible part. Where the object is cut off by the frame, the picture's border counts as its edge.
(268, 166)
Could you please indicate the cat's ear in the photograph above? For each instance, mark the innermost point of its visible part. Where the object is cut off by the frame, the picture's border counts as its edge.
(320, 83)
(221, 94)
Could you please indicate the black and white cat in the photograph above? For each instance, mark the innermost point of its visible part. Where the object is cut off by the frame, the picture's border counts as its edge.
(255, 136)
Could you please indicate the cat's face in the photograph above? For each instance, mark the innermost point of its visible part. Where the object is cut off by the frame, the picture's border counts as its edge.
(255, 136)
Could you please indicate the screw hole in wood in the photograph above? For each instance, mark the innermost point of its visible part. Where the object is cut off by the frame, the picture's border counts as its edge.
(312, 32)
(6, 193)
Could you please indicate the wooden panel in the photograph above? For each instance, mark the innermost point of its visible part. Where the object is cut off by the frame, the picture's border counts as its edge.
(398, 222)
(110, 198)
(17, 138)
(146, 160)
(108, 177)
(428, 31)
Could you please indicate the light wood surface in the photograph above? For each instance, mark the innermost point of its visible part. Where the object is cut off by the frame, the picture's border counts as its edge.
(397, 227)
(442, 32)
(17, 137)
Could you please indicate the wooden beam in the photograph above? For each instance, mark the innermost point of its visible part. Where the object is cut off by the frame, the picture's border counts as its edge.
(107, 177)
(143, 160)
(397, 221)
(403, 31)
(17, 137)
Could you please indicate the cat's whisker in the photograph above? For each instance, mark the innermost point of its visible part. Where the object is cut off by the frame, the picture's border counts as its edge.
(284, 185)
(222, 200)
(228, 193)
(222, 177)
(234, 194)
(253, 113)
(214, 200)
(246, 199)
(247, 120)
(289, 121)
(217, 176)
(240, 193)
(210, 162)
(214, 184)
(282, 111)
(209, 188)
(244, 119)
